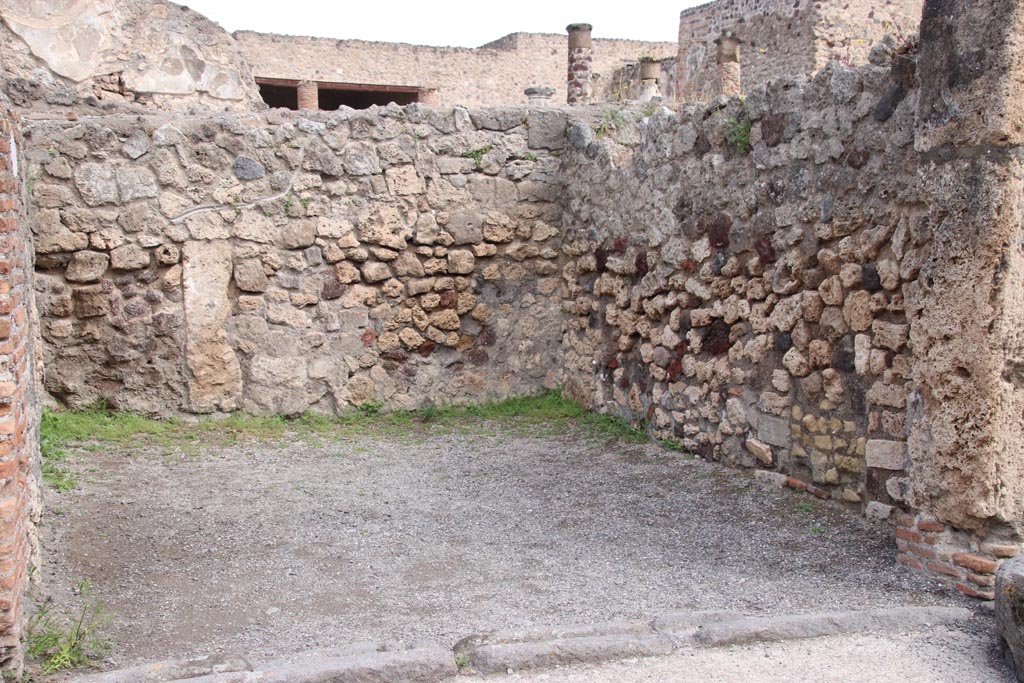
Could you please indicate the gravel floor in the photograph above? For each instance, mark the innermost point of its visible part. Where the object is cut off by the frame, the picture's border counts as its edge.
(272, 548)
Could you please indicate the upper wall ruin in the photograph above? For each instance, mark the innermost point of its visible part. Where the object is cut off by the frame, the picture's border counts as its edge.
(151, 53)
(784, 37)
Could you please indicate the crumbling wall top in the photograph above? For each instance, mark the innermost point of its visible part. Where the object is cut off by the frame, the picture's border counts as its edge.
(152, 52)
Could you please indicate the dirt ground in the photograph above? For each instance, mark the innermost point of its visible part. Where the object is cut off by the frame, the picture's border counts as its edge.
(269, 548)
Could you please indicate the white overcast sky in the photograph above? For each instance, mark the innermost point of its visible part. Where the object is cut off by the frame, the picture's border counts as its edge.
(463, 23)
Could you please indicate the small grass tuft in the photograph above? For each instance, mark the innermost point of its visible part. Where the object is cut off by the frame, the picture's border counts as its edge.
(477, 155)
(71, 641)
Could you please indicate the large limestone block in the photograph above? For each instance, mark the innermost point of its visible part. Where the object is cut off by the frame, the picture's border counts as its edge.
(215, 378)
(966, 436)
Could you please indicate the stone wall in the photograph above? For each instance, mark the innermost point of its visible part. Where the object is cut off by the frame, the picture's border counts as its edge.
(751, 304)
(19, 408)
(278, 264)
(149, 52)
(495, 74)
(784, 37)
(839, 301)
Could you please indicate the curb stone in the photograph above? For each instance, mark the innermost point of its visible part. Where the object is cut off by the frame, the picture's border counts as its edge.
(383, 663)
(798, 626)
(173, 670)
(499, 658)
(532, 648)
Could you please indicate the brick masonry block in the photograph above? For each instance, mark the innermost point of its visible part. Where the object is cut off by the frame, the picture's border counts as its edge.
(904, 519)
(976, 563)
(973, 592)
(908, 535)
(910, 561)
(945, 569)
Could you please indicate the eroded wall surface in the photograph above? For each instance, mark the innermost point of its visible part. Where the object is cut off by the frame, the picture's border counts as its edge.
(153, 53)
(750, 304)
(784, 37)
(493, 75)
(278, 264)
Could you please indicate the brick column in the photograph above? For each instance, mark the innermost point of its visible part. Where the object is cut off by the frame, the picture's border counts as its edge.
(309, 95)
(727, 56)
(19, 409)
(581, 64)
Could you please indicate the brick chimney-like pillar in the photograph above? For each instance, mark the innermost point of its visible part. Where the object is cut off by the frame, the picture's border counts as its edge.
(581, 64)
(309, 95)
(728, 58)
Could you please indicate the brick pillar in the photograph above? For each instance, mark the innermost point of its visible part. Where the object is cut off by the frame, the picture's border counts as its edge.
(19, 408)
(309, 95)
(581, 64)
(430, 97)
(727, 56)
(539, 96)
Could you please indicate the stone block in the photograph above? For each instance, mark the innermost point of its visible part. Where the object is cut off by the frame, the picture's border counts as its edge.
(250, 277)
(773, 430)
(886, 455)
(760, 450)
(87, 266)
(547, 129)
(96, 184)
(1009, 595)
(129, 257)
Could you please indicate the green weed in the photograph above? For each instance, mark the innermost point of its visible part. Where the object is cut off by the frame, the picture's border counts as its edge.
(804, 506)
(477, 155)
(737, 133)
(71, 641)
(613, 119)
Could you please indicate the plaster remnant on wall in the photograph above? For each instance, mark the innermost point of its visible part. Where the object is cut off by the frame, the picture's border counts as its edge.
(151, 52)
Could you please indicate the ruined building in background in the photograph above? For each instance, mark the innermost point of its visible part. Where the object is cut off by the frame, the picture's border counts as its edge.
(784, 37)
(820, 279)
(358, 73)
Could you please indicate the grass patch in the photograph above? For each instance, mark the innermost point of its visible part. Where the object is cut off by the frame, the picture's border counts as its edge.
(96, 428)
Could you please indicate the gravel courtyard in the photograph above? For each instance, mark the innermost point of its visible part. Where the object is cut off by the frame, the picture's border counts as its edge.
(268, 547)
